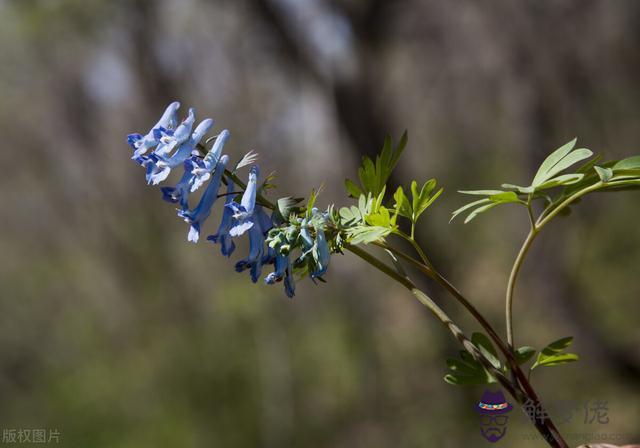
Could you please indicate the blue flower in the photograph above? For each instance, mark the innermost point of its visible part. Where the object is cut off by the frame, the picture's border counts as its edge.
(256, 253)
(168, 139)
(261, 223)
(322, 254)
(198, 215)
(243, 219)
(227, 246)
(289, 283)
(307, 241)
(162, 165)
(180, 193)
(282, 271)
(202, 172)
(142, 143)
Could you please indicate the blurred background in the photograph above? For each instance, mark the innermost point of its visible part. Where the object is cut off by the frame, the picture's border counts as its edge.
(116, 332)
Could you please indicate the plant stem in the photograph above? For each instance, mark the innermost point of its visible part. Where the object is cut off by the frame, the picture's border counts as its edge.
(440, 315)
(544, 219)
(545, 426)
(435, 275)
(411, 239)
(536, 226)
(512, 282)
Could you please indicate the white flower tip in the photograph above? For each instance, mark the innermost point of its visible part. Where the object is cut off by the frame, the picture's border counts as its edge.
(194, 235)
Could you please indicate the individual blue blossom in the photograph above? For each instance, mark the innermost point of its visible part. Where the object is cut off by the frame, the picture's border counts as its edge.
(198, 215)
(261, 224)
(227, 246)
(322, 254)
(243, 212)
(282, 271)
(168, 139)
(256, 253)
(305, 236)
(143, 143)
(202, 172)
(180, 193)
(161, 166)
(289, 282)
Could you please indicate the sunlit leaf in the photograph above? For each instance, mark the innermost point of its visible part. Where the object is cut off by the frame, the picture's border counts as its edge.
(353, 190)
(524, 354)
(564, 179)
(480, 210)
(553, 354)
(469, 206)
(367, 234)
(551, 161)
(630, 163)
(481, 192)
(519, 188)
(403, 206)
(605, 174)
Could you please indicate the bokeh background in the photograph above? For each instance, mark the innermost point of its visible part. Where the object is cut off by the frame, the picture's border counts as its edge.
(118, 333)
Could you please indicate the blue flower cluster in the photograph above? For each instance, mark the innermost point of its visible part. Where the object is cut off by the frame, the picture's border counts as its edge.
(170, 144)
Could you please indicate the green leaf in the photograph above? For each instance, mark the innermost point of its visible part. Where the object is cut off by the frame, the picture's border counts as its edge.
(559, 345)
(524, 354)
(374, 175)
(378, 202)
(364, 204)
(367, 175)
(380, 218)
(367, 234)
(565, 179)
(415, 195)
(504, 196)
(402, 203)
(571, 159)
(462, 367)
(467, 380)
(519, 188)
(468, 206)
(480, 210)
(285, 207)
(553, 354)
(423, 199)
(467, 371)
(486, 348)
(630, 163)
(552, 160)
(312, 200)
(553, 360)
(605, 174)
(481, 192)
(353, 190)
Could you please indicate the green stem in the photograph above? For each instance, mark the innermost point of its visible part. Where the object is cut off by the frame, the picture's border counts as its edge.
(441, 316)
(442, 281)
(544, 219)
(512, 282)
(536, 226)
(545, 426)
(415, 245)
